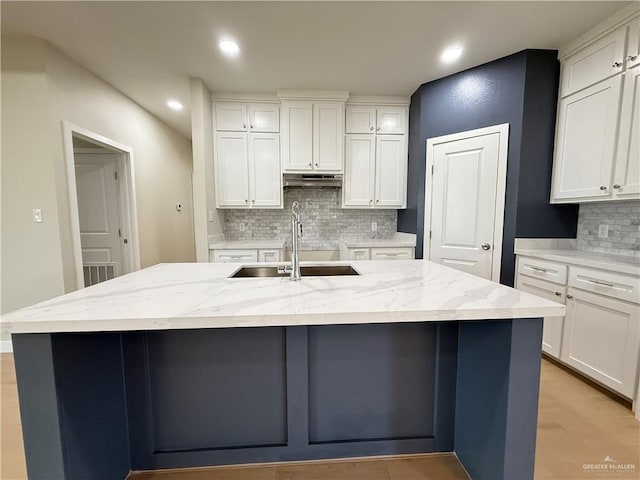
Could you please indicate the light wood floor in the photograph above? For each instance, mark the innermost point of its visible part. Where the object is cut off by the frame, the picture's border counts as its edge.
(577, 425)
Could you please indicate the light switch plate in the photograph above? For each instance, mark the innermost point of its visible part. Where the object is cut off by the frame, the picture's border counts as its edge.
(37, 215)
(603, 231)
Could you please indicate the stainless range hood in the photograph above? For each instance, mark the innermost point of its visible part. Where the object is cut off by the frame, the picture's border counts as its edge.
(309, 180)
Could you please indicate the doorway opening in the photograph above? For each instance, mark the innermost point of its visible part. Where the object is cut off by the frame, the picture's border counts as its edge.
(102, 206)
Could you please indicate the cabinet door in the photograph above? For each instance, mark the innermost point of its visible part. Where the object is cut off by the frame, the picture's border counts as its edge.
(361, 119)
(264, 117)
(601, 339)
(359, 254)
(359, 172)
(231, 117)
(594, 63)
(627, 173)
(328, 136)
(297, 134)
(633, 50)
(552, 331)
(585, 142)
(232, 171)
(264, 170)
(391, 120)
(391, 160)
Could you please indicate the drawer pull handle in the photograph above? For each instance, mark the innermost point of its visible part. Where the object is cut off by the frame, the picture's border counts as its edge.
(539, 269)
(617, 64)
(602, 187)
(569, 297)
(604, 284)
(632, 58)
(616, 186)
(558, 294)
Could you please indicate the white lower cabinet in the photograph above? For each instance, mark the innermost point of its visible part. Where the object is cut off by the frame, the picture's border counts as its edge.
(376, 253)
(224, 255)
(601, 339)
(553, 326)
(600, 334)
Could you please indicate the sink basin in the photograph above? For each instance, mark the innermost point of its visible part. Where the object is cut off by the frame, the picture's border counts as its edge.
(306, 271)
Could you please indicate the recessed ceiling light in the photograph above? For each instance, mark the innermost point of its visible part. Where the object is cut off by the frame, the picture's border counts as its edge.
(229, 48)
(174, 105)
(451, 54)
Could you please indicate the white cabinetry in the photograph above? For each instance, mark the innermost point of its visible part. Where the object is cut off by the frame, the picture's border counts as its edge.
(247, 163)
(376, 157)
(596, 127)
(600, 334)
(245, 255)
(376, 253)
(312, 136)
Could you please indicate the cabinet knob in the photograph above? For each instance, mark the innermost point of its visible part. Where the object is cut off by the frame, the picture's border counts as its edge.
(632, 58)
(371, 128)
(378, 201)
(250, 126)
(602, 187)
(244, 125)
(309, 165)
(378, 129)
(317, 164)
(617, 64)
(253, 201)
(558, 294)
(616, 186)
(246, 201)
(370, 201)
(569, 296)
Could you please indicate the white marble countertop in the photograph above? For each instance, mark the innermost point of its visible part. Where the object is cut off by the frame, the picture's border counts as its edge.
(241, 244)
(199, 295)
(616, 263)
(399, 240)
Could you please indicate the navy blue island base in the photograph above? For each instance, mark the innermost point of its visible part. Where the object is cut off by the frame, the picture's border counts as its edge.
(98, 405)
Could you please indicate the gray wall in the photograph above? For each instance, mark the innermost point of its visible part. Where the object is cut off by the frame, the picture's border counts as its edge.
(324, 221)
(623, 219)
(520, 90)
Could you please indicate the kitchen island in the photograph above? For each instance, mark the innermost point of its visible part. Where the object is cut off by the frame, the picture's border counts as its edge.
(179, 365)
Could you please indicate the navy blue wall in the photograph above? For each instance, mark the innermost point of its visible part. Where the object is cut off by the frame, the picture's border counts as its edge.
(520, 90)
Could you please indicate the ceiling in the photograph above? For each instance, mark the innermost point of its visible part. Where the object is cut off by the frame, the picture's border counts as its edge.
(148, 50)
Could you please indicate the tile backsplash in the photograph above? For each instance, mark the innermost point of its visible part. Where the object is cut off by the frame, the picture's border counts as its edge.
(324, 222)
(623, 219)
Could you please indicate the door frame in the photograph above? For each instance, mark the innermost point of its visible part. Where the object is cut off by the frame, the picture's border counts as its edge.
(127, 193)
(503, 145)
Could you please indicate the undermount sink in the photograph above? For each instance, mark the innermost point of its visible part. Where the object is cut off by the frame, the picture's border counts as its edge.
(306, 271)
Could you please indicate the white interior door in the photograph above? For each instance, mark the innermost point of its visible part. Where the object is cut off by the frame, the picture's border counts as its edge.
(99, 215)
(467, 200)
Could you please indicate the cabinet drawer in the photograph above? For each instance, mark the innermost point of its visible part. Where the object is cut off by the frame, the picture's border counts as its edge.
(271, 255)
(614, 285)
(404, 253)
(359, 254)
(543, 269)
(230, 256)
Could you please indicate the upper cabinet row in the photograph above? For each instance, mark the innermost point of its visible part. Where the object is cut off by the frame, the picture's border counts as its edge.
(255, 143)
(596, 154)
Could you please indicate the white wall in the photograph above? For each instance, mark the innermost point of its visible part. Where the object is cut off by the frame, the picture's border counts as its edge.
(41, 87)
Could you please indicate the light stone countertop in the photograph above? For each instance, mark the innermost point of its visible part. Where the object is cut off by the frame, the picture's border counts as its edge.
(199, 295)
(400, 240)
(617, 263)
(241, 244)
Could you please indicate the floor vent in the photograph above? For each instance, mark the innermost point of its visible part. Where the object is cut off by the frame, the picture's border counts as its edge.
(99, 272)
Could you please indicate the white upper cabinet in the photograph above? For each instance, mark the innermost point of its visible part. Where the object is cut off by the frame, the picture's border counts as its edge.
(265, 180)
(585, 144)
(297, 136)
(594, 63)
(328, 137)
(390, 171)
(633, 49)
(391, 120)
(383, 120)
(247, 164)
(361, 119)
(231, 117)
(359, 171)
(264, 118)
(232, 170)
(312, 136)
(375, 173)
(596, 149)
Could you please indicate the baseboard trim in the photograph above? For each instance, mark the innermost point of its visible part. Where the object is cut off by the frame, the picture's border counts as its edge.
(6, 346)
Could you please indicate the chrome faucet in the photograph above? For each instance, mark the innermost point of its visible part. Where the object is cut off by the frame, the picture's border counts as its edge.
(296, 232)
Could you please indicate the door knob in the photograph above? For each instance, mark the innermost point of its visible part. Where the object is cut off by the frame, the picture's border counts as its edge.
(486, 246)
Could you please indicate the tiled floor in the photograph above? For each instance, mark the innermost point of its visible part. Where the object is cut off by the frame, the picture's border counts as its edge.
(578, 426)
